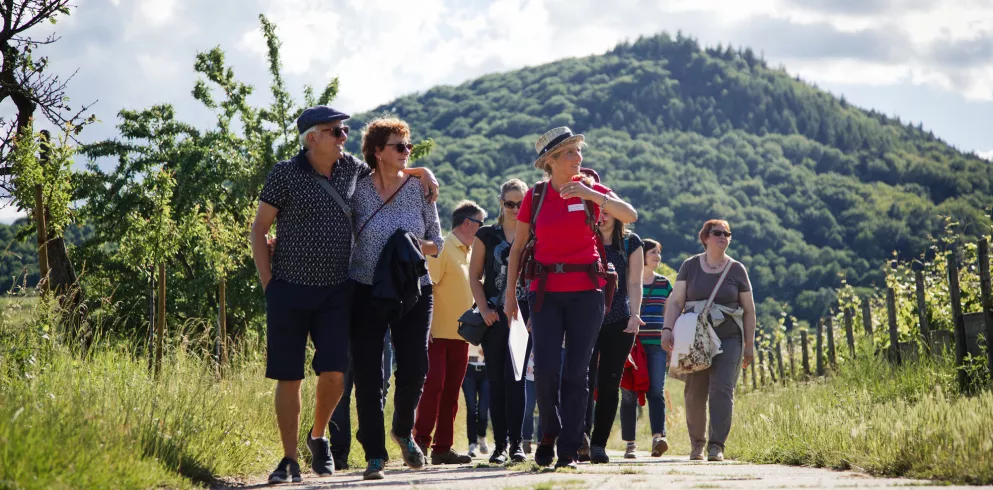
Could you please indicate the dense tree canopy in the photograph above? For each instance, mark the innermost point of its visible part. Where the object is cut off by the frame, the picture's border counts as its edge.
(816, 190)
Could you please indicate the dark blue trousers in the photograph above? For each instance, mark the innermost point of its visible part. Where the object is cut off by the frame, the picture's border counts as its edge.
(562, 399)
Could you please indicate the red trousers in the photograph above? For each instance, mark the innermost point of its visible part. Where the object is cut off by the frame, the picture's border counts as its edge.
(447, 362)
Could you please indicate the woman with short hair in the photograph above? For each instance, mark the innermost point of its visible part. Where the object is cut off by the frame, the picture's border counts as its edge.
(567, 286)
(386, 202)
(733, 318)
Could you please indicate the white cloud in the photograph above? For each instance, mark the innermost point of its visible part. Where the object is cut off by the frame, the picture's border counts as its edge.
(986, 155)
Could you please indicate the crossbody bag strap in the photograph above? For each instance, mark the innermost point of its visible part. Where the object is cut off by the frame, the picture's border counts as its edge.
(381, 206)
(326, 185)
(539, 189)
(720, 282)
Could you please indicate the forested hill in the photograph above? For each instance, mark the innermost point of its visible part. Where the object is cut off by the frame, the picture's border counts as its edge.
(816, 190)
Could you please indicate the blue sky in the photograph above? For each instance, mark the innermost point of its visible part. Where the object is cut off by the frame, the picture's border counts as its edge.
(927, 61)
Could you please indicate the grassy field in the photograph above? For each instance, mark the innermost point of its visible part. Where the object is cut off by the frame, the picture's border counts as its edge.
(102, 420)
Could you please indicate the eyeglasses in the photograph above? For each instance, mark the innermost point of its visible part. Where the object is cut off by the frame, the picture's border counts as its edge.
(337, 131)
(720, 233)
(512, 204)
(474, 220)
(400, 146)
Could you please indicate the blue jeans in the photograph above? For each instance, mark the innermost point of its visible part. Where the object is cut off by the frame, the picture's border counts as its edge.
(529, 403)
(657, 361)
(576, 318)
(476, 389)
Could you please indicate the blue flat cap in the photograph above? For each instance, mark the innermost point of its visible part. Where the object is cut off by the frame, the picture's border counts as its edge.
(319, 114)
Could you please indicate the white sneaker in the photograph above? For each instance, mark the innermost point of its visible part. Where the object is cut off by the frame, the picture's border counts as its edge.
(472, 450)
(483, 448)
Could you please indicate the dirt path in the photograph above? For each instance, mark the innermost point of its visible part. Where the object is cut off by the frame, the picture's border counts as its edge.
(670, 472)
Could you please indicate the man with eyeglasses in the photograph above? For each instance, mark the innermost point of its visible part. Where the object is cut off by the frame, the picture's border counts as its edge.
(306, 280)
(448, 353)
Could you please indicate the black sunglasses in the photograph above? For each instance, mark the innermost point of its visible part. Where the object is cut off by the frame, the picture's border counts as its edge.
(720, 233)
(512, 204)
(474, 220)
(400, 147)
(337, 131)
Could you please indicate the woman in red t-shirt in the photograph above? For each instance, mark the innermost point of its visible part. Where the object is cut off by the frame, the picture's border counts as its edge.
(567, 298)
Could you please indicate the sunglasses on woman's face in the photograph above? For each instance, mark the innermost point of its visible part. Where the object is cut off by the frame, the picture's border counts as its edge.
(512, 204)
(337, 131)
(720, 233)
(400, 147)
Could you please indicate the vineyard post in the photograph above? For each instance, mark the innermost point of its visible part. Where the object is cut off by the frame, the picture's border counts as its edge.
(894, 333)
(987, 300)
(867, 316)
(922, 307)
(779, 361)
(849, 333)
(829, 323)
(804, 349)
(789, 351)
(819, 343)
(957, 320)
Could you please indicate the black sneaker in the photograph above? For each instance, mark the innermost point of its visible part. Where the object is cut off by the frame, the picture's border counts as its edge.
(568, 463)
(287, 471)
(598, 455)
(449, 457)
(517, 454)
(545, 452)
(374, 471)
(322, 463)
(409, 450)
(499, 455)
(583, 454)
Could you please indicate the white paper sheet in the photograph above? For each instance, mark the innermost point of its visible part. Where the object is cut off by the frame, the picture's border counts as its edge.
(518, 344)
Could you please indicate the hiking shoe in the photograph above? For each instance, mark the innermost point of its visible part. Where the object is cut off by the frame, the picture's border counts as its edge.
(499, 455)
(374, 471)
(483, 448)
(287, 471)
(629, 451)
(545, 452)
(320, 449)
(449, 457)
(421, 444)
(566, 463)
(598, 455)
(527, 447)
(659, 446)
(583, 454)
(696, 453)
(412, 455)
(715, 453)
(517, 454)
(472, 450)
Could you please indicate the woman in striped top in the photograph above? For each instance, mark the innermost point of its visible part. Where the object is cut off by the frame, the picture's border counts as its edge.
(656, 289)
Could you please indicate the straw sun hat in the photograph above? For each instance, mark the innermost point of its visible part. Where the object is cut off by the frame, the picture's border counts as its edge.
(553, 140)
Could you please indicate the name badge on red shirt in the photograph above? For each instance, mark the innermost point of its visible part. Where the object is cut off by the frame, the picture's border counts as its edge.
(576, 207)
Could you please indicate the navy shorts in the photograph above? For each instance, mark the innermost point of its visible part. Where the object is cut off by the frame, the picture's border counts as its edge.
(293, 312)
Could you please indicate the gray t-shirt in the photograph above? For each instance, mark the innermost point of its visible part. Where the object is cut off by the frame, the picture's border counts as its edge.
(699, 285)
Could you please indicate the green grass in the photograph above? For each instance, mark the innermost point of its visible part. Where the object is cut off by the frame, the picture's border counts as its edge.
(99, 419)
(895, 421)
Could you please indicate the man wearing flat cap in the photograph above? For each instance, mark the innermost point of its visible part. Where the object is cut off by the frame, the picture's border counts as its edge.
(306, 280)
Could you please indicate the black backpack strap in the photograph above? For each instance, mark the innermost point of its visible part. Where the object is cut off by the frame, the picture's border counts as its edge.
(537, 195)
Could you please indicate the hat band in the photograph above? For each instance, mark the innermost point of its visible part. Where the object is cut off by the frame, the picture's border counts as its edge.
(551, 144)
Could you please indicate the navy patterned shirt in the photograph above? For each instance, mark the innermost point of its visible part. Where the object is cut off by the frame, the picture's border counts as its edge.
(313, 234)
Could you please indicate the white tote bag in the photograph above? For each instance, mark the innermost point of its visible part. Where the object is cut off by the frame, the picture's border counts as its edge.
(695, 342)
